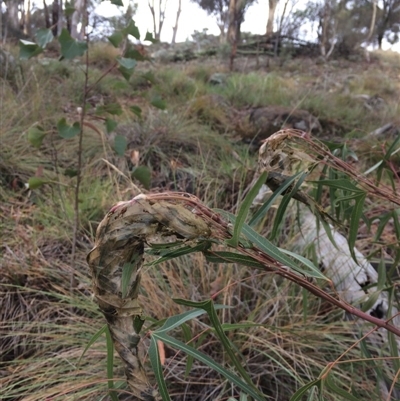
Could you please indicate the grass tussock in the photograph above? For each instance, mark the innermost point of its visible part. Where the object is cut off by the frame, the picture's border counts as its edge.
(47, 321)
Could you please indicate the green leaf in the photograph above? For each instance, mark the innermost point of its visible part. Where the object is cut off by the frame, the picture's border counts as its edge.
(120, 144)
(339, 184)
(116, 38)
(301, 391)
(36, 182)
(208, 306)
(94, 338)
(185, 250)
(149, 37)
(143, 175)
(67, 131)
(110, 108)
(231, 257)
(132, 29)
(110, 365)
(117, 3)
(209, 362)
(156, 101)
(71, 48)
(137, 110)
(28, 49)
(125, 72)
(355, 222)
(266, 206)
(155, 361)
(110, 125)
(305, 262)
(279, 217)
(244, 210)
(43, 37)
(127, 63)
(36, 136)
(266, 246)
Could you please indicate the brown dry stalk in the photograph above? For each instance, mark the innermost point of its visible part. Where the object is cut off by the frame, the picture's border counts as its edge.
(117, 258)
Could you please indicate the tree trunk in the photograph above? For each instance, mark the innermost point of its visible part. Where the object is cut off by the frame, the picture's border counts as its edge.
(373, 20)
(232, 31)
(76, 18)
(46, 15)
(55, 16)
(271, 16)
(27, 25)
(175, 28)
(60, 18)
(12, 14)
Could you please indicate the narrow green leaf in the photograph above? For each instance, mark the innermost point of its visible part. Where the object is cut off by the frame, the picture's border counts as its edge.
(117, 3)
(279, 217)
(36, 182)
(266, 206)
(266, 246)
(381, 274)
(36, 136)
(28, 49)
(305, 262)
(339, 184)
(394, 349)
(187, 336)
(208, 306)
(244, 210)
(120, 144)
(371, 301)
(94, 338)
(155, 361)
(355, 222)
(43, 37)
(110, 365)
(116, 38)
(149, 38)
(67, 131)
(132, 29)
(143, 175)
(209, 362)
(185, 250)
(297, 396)
(343, 393)
(110, 125)
(137, 110)
(71, 48)
(156, 101)
(231, 257)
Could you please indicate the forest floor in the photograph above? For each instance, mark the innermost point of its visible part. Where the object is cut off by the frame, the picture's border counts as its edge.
(194, 134)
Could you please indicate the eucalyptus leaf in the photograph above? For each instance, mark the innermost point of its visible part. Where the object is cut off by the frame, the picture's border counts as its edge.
(143, 175)
(120, 145)
(71, 48)
(28, 49)
(67, 131)
(36, 136)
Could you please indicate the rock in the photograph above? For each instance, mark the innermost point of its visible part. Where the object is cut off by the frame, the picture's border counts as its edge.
(262, 122)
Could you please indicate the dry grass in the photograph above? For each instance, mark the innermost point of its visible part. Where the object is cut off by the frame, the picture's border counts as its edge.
(46, 325)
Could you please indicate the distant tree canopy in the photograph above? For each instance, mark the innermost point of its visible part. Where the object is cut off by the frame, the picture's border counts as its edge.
(335, 24)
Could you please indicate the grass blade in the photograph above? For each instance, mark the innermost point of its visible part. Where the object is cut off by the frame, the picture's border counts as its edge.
(110, 365)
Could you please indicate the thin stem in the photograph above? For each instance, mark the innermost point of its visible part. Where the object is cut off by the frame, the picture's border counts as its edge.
(79, 169)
